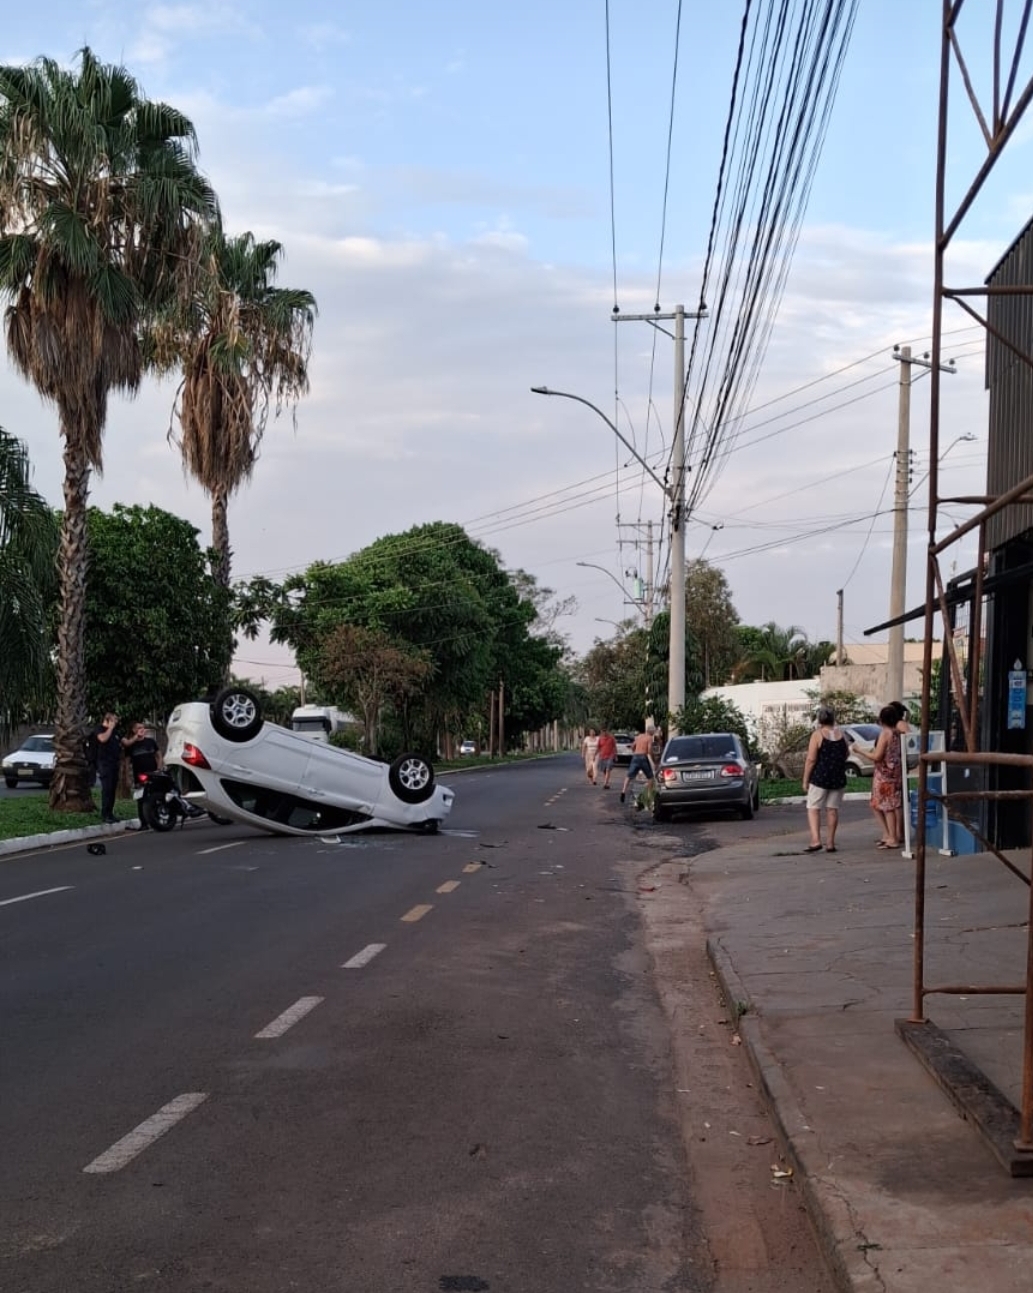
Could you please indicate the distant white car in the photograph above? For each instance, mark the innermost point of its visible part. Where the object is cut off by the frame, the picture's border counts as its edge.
(468, 747)
(228, 760)
(32, 761)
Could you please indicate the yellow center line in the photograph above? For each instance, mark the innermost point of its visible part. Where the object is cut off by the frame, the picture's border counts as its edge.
(417, 913)
(447, 887)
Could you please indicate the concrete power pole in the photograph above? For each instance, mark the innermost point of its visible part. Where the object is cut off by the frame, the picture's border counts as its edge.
(839, 628)
(676, 498)
(898, 576)
(676, 655)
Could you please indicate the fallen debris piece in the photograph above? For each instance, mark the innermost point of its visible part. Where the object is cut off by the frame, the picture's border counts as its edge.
(759, 1140)
(98, 850)
(781, 1173)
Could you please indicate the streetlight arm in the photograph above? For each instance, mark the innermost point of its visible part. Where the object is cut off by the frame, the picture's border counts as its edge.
(544, 390)
(590, 565)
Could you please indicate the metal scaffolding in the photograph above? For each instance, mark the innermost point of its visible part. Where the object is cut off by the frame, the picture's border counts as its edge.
(1009, 1131)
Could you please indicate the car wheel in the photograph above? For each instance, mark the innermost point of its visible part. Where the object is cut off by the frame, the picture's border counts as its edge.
(746, 809)
(159, 815)
(10, 782)
(852, 771)
(236, 714)
(411, 778)
(661, 814)
(756, 799)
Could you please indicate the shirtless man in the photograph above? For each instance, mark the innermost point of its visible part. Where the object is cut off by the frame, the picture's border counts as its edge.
(640, 760)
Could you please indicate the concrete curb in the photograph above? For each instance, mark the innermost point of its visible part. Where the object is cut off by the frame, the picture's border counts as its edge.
(53, 839)
(830, 1216)
(861, 796)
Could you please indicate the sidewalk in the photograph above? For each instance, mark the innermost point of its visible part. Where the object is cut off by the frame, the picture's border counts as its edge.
(905, 1195)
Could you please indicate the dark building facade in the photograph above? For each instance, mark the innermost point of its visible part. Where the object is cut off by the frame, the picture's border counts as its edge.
(1009, 541)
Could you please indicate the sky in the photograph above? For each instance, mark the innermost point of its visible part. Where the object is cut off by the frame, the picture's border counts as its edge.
(440, 177)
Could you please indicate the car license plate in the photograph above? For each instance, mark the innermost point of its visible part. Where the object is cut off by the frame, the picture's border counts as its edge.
(697, 776)
(26, 772)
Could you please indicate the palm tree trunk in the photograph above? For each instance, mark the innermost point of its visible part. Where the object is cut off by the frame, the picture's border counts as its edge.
(69, 791)
(221, 538)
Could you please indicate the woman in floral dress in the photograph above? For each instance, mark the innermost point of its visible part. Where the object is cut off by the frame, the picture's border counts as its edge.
(887, 780)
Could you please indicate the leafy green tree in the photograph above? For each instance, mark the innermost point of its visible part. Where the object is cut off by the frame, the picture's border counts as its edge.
(436, 591)
(615, 676)
(365, 668)
(713, 619)
(243, 345)
(155, 615)
(773, 654)
(715, 714)
(101, 208)
(28, 580)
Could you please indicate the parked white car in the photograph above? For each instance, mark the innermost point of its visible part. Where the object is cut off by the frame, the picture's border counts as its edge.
(32, 761)
(229, 761)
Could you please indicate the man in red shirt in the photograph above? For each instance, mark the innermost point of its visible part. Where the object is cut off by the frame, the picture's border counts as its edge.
(605, 756)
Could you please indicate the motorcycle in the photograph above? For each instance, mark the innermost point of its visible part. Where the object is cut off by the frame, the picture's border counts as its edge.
(162, 804)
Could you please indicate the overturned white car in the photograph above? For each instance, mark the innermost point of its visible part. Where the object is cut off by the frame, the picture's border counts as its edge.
(225, 758)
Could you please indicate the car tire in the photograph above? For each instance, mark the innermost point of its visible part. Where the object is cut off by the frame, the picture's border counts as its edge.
(756, 800)
(159, 815)
(10, 782)
(852, 771)
(411, 778)
(236, 714)
(661, 814)
(746, 809)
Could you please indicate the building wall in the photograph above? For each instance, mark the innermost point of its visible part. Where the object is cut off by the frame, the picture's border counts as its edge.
(1010, 383)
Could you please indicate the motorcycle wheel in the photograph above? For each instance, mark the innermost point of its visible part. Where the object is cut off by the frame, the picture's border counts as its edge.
(159, 815)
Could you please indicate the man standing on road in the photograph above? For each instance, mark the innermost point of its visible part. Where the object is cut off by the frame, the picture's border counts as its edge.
(605, 756)
(641, 748)
(144, 757)
(107, 749)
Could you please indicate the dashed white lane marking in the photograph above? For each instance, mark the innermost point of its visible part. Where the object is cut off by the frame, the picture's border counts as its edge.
(417, 913)
(364, 957)
(471, 867)
(234, 844)
(289, 1017)
(40, 893)
(125, 1150)
(447, 887)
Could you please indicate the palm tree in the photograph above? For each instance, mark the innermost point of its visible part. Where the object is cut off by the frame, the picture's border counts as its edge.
(243, 345)
(101, 212)
(28, 577)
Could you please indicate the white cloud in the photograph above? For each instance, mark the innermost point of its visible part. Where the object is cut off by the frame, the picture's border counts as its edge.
(300, 102)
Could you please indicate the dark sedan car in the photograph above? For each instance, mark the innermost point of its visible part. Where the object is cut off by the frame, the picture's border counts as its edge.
(706, 771)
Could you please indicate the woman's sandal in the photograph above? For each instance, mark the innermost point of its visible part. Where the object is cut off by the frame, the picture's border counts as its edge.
(813, 848)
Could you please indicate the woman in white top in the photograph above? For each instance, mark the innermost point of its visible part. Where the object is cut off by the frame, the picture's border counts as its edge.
(589, 751)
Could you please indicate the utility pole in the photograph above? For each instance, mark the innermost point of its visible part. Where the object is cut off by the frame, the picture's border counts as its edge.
(676, 495)
(839, 628)
(898, 576)
(645, 601)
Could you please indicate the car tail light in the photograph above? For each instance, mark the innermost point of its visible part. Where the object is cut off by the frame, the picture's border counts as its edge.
(669, 774)
(193, 756)
(142, 778)
(731, 770)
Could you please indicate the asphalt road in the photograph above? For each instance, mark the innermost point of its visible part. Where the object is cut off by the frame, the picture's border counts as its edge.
(238, 1062)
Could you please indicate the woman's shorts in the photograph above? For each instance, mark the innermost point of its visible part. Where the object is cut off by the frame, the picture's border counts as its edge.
(819, 797)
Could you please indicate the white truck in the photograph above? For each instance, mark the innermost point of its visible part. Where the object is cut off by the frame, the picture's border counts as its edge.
(319, 721)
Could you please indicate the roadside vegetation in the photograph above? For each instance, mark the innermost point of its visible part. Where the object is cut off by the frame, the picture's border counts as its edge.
(31, 814)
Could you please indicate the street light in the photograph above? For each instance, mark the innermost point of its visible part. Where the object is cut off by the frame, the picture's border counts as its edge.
(675, 495)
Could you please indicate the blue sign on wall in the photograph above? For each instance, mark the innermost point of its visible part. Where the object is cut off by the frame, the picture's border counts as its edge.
(1016, 697)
